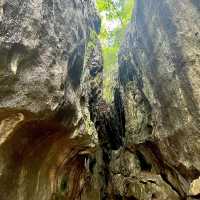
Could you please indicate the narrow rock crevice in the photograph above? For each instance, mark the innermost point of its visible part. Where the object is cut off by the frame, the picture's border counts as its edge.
(60, 140)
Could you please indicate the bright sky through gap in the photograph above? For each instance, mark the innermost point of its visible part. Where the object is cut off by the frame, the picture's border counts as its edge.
(115, 16)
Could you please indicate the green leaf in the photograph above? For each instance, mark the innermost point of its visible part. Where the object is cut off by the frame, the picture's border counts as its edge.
(115, 14)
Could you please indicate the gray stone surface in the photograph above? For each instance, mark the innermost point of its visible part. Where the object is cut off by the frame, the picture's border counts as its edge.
(42, 51)
(60, 140)
(47, 139)
(159, 67)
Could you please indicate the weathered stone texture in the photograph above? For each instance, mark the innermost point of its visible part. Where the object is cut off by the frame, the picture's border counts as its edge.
(47, 140)
(42, 51)
(60, 140)
(159, 73)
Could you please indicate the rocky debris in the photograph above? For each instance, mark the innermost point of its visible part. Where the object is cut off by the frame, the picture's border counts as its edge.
(195, 187)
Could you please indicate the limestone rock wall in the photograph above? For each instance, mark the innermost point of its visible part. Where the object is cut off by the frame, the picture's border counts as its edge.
(60, 140)
(159, 79)
(48, 142)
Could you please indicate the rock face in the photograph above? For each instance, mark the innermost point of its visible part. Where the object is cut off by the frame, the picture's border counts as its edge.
(60, 140)
(47, 65)
(159, 81)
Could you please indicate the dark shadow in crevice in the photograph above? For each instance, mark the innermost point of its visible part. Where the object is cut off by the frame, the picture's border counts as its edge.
(76, 65)
(120, 113)
(145, 166)
(118, 197)
(130, 198)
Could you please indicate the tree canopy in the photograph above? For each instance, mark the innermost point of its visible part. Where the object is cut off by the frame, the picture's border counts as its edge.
(115, 15)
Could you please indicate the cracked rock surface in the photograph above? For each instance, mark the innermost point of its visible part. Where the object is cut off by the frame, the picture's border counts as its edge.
(159, 67)
(59, 140)
(47, 141)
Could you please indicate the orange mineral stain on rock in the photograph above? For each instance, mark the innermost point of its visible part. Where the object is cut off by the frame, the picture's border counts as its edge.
(41, 159)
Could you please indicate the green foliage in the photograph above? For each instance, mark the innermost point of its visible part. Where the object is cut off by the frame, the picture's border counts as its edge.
(115, 15)
(91, 43)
